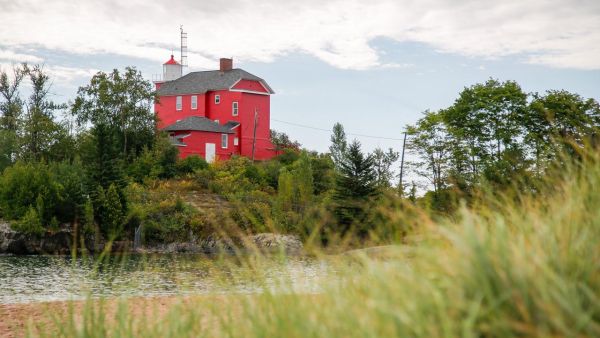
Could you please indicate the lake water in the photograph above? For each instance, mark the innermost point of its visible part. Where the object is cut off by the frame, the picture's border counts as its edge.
(54, 278)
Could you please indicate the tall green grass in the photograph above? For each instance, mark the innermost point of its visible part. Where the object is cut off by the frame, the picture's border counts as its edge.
(512, 267)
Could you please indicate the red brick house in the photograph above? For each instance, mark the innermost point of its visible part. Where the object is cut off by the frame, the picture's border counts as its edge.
(215, 114)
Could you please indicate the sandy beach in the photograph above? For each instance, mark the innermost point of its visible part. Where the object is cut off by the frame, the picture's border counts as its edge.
(42, 318)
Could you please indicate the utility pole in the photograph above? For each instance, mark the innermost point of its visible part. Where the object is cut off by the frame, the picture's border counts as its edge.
(402, 164)
(254, 132)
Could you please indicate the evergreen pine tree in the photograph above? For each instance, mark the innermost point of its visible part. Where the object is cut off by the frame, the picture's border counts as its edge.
(356, 185)
(104, 164)
(89, 224)
(113, 212)
(99, 208)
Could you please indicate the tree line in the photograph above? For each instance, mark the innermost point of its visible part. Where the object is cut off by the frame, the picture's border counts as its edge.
(496, 134)
(58, 170)
(100, 167)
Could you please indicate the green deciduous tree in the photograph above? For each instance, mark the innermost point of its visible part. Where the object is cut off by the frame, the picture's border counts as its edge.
(11, 106)
(556, 122)
(11, 109)
(383, 161)
(323, 173)
(40, 132)
(285, 190)
(121, 102)
(339, 145)
(296, 186)
(492, 134)
(282, 141)
(432, 146)
(485, 121)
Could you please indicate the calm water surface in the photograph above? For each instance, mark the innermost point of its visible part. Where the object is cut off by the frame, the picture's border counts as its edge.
(52, 278)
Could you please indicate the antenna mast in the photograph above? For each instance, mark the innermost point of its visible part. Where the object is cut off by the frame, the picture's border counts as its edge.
(184, 48)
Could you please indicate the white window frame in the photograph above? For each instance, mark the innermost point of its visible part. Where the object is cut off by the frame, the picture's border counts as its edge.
(235, 109)
(236, 141)
(224, 141)
(194, 102)
(217, 99)
(179, 103)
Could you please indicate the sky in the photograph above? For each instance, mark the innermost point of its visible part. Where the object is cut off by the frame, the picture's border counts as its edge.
(374, 65)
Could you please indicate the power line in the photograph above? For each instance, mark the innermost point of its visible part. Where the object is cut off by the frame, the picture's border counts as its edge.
(330, 131)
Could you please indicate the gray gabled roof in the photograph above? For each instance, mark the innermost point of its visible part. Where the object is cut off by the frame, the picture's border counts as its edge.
(176, 141)
(231, 124)
(198, 123)
(202, 82)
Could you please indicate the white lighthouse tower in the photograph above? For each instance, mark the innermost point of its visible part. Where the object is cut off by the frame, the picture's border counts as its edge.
(172, 70)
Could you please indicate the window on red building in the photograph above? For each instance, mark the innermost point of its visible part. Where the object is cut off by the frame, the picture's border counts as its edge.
(224, 141)
(217, 99)
(234, 109)
(194, 102)
(178, 103)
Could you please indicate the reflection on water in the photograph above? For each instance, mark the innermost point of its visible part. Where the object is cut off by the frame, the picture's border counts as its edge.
(50, 278)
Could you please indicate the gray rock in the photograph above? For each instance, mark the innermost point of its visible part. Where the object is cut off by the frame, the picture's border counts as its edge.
(10, 240)
(60, 243)
(264, 243)
(269, 242)
(14, 242)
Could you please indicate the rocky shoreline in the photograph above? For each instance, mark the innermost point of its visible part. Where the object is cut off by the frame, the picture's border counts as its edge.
(61, 243)
(13, 242)
(264, 243)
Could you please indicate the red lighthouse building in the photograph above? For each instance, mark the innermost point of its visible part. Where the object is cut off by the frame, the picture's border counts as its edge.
(215, 114)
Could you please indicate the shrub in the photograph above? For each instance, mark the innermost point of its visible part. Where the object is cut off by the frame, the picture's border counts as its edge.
(252, 212)
(71, 177)
(144, 166)
(30, 223)
(288, 156)
(238, 175)
(113, 213)
(89, 223)
(23, 185)
(162, 215)
(190, 165)
(157, 162)
(166, 221)
(204, 177)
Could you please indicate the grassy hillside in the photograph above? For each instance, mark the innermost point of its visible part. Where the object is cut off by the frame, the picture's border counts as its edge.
(515, 266)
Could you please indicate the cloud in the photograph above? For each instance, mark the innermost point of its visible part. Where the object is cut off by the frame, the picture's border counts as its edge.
(557, 33)
(8, 55)
(62, 75)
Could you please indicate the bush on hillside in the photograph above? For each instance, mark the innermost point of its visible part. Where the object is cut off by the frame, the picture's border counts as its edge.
(190, 165)
(30, 223)
(158, 162)
(163, 216)
(22, 185)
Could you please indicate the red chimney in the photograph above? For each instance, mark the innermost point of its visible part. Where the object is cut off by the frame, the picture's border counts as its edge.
(225, 64)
